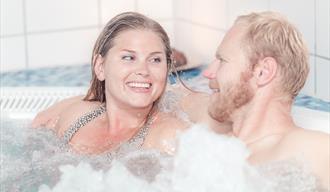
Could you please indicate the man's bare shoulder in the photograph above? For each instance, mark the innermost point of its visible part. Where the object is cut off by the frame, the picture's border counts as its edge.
(301, 138)
(312, 147)
(303, 141)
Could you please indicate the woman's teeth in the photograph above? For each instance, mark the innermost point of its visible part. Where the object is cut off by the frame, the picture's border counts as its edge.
(216, 90)
(139, 85)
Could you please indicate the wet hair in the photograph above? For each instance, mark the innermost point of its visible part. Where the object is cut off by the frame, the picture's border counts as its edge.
(120, 23)
(268, 34)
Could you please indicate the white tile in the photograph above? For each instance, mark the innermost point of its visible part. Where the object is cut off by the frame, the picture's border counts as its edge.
(110, 8)
(61, 48)
(182, 9)
(169, 28)
(44, 15)
(12, 51)
(156, 9)
(323, 78)
(209, 12)
(309, 87)
(199, 44)
(204, 42)
(11, 17)
(183, 41)
(322, 28)
(240, 7)
(301, 14)
(183, 36)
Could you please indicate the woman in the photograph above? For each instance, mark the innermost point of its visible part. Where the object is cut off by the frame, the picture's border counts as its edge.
(130, 63)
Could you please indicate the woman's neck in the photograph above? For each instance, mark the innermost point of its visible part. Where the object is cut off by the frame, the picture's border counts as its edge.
(123, 121)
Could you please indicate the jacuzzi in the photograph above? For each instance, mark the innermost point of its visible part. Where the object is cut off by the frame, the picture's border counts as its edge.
(24, 93)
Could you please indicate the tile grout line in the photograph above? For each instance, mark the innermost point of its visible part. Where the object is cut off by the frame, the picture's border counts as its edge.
(136, 5)
(315, 47)
(50, 31)
(25, 35)
(174, 23)
(99, 14)
(202, 25)
(320, 56)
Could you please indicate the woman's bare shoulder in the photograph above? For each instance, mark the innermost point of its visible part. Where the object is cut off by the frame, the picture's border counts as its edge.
(167, 121)
(163, 132)
(48, 117)
(72, 113)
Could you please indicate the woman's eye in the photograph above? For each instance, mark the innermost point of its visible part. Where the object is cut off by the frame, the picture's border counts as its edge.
(156, 60)
(127, 58)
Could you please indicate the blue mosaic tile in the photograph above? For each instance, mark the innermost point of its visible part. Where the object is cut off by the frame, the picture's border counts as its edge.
(312, 103)
(53, 76)
(80, 75)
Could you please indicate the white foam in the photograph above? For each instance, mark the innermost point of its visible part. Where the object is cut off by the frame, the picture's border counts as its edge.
(85, 178)
(204, 161)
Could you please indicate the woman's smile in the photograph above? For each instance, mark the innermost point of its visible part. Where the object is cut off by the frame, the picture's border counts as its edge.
(139, 87)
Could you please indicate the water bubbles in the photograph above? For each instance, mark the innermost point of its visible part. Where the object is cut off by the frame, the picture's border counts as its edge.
(203, 162)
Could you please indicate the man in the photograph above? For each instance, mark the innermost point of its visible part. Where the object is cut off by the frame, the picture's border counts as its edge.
(260, 66)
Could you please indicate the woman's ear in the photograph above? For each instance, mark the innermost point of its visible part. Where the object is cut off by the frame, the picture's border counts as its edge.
(265, 71)
(99, 67)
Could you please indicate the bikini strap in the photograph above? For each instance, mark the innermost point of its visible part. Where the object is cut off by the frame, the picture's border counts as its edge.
(82, 121)
(142, 133)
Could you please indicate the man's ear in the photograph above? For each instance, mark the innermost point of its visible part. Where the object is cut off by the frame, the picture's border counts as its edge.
(99, 67)
(265, 71)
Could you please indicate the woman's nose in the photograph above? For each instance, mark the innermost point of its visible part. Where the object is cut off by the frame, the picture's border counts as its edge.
(142, 73)
(142, 70)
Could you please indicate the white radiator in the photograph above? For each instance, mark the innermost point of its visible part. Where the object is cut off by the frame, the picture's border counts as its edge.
(25, 102)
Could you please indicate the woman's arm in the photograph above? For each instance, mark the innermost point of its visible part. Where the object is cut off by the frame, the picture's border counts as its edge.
(49, 117)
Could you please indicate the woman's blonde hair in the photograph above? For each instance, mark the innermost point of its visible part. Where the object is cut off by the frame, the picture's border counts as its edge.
(269, 34)
(105, 41)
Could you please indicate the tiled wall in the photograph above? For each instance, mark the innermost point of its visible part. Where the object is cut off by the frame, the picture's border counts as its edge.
(41, 33)
(200, 25)
(38, 33)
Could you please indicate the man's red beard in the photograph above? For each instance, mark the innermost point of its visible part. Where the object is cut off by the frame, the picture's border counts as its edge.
(234, 97)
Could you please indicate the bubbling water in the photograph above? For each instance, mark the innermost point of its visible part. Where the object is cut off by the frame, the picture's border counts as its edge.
(203, 162)
(30, 157)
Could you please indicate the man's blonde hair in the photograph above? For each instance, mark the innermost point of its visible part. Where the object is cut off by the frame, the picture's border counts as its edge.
(269, 34)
